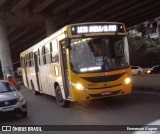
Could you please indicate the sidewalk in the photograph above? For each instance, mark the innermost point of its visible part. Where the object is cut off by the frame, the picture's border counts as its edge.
(146, 82)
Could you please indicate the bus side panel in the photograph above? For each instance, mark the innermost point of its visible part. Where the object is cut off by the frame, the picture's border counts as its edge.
(35, 71)
(45, 79)
(55, 76)
(24, 77)
(29, 77)
(32, 78)
(24, 71)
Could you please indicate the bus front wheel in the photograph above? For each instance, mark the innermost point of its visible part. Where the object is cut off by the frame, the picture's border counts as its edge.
(59, 98)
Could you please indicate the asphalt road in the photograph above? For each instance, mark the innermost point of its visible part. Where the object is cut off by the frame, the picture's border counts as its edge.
(147, 81)
(138, 108)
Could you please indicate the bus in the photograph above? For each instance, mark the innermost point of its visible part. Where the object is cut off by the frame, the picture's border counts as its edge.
(79, 62)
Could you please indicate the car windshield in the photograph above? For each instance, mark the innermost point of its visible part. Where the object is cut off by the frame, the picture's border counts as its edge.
(6, 87)
(99, 54)
(156, 67)
(134, 67)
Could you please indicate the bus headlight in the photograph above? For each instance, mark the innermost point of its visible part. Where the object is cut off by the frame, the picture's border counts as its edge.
(80, 87)
(127, 80)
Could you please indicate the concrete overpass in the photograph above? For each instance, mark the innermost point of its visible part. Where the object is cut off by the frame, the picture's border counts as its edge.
(29, 21)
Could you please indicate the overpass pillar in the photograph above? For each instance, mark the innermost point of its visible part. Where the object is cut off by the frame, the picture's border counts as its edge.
(50, 26)
(5, 54)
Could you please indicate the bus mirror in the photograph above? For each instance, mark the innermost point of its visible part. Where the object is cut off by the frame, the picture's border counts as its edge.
(67, 42)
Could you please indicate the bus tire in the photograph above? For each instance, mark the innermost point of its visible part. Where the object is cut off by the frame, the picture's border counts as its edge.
(34, 91)
(59, 98)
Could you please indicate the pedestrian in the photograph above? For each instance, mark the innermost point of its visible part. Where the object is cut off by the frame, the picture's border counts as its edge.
(11, 80)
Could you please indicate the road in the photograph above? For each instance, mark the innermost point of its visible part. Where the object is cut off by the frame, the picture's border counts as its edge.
(148, 82)
(137, 108)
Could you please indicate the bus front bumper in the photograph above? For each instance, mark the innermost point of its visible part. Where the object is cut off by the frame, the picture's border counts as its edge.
(80, 95)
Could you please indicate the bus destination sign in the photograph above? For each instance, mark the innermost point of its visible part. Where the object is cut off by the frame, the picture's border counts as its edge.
(98, 28)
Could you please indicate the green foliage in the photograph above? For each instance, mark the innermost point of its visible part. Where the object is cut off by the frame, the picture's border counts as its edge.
(141, 28)
(144, 51)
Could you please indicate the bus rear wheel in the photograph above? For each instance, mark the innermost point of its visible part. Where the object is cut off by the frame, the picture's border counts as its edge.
(59, 98)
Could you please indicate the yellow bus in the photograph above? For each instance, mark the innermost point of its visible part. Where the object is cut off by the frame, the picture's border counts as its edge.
(79, 62)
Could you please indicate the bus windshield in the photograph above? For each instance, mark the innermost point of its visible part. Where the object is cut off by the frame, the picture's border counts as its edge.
(99, 54)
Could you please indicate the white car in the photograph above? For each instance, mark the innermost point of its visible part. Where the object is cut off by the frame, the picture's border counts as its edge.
(11, 100)
(154, 70)
(137, 70)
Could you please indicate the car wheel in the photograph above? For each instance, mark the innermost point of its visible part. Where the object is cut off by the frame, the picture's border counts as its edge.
(139, 73)
(59, 98)
(24, 114)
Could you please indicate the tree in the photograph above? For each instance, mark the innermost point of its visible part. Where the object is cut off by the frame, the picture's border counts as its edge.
(141, 28)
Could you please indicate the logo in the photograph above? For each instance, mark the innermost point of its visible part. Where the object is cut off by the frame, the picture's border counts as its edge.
(106, 67)
(6, 103)
(6, 128)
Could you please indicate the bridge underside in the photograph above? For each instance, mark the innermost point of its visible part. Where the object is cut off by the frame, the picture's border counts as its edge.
(25, 19)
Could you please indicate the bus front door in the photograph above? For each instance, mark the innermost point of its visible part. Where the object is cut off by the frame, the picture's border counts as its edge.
(64, 69)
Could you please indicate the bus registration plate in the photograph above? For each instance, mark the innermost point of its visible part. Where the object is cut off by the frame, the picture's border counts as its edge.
(106, 93)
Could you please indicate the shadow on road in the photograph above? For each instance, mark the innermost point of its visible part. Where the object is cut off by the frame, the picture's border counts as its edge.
(11, 117)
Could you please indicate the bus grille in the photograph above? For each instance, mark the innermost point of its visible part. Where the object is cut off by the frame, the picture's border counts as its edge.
(103, 78)
(8, 103)
(100, 95)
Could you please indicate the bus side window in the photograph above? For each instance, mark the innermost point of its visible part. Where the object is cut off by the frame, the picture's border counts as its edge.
(54, 52)
(43, 55)
(39, 57)
(47, 54)
(22, 62)
(51, 50)
(31, 63)
(27, 60)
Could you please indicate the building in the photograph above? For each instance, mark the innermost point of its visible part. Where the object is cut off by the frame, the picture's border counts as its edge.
(152, 29)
